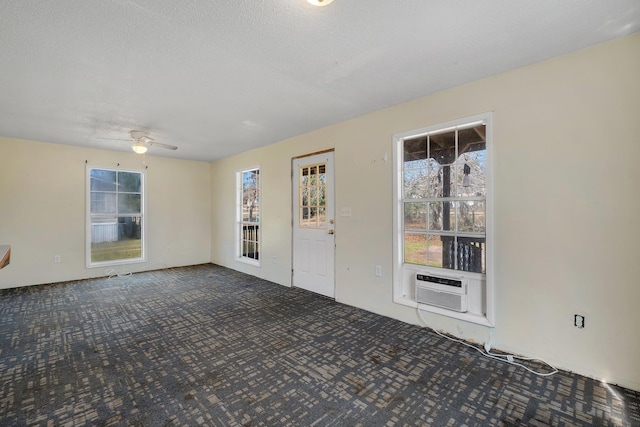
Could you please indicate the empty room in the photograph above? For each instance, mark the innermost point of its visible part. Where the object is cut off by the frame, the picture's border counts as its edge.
(319, 213)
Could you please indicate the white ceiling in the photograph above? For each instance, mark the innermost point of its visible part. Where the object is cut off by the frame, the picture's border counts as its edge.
(218, 77)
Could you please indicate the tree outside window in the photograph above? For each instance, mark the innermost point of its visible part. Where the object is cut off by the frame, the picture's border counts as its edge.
(249, 215)
(444, 185)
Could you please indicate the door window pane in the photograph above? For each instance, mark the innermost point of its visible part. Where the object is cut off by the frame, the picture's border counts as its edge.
(312, 184)
(322, 217)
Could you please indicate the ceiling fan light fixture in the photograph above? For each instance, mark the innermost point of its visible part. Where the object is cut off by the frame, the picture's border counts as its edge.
(139, 148)
(319, 2)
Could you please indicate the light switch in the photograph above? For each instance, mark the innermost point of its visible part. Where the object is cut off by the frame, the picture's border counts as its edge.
(345, 212)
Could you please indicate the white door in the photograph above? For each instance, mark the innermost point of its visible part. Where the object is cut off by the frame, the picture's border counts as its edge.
(313, 224)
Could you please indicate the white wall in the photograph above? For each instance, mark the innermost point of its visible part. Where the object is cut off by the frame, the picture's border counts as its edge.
(566, 181)
(42, 210)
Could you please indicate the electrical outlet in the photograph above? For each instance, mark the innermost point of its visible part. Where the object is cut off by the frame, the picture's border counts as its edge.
(578, 321)
(379, 270)
(57, 259)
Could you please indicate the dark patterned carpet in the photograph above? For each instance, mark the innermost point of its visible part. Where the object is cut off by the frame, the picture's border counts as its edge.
(206, 345)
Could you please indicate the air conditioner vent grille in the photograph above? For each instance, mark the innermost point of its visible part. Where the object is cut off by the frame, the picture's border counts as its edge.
(432, 292)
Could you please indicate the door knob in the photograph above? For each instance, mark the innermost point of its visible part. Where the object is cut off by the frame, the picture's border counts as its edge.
(330, 231)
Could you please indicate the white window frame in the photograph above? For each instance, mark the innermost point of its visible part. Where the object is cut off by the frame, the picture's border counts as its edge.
(142, 215)
(239, 217)
(404, 273)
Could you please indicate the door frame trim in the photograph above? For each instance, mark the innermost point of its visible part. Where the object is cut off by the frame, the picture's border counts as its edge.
(291, 190)
(302, 156)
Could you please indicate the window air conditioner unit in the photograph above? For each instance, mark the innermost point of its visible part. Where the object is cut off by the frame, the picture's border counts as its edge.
(441, 291)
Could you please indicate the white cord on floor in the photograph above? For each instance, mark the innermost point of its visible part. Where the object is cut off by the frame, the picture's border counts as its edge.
(507, 358)
(111, 273)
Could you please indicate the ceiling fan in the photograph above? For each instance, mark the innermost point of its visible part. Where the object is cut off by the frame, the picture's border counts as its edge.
(142, 142)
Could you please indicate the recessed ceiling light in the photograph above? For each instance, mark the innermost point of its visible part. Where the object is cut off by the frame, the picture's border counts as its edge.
(319, 2)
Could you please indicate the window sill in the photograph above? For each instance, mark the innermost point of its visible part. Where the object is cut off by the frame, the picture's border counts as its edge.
(116, 263)
(467, 317)
(249, 261)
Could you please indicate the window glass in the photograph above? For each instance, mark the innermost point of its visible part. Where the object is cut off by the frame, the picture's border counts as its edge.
(249, 215)
(415, 216)
(471, 217)
(434, 250)
(312, 185)
(103, 180)
(129, 182)
(103, 203)
(444, 198)
(415, 248)
(115, 217)
(129, 203)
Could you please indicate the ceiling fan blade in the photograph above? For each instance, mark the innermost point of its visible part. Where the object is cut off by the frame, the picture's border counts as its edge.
(112, 139)
(141, 137)
(161, 145)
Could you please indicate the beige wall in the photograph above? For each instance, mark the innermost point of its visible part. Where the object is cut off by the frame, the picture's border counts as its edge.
(566, 178)
(42, 210)
(566, 183)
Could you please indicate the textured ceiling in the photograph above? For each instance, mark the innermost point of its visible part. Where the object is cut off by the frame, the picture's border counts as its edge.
(218, 77)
